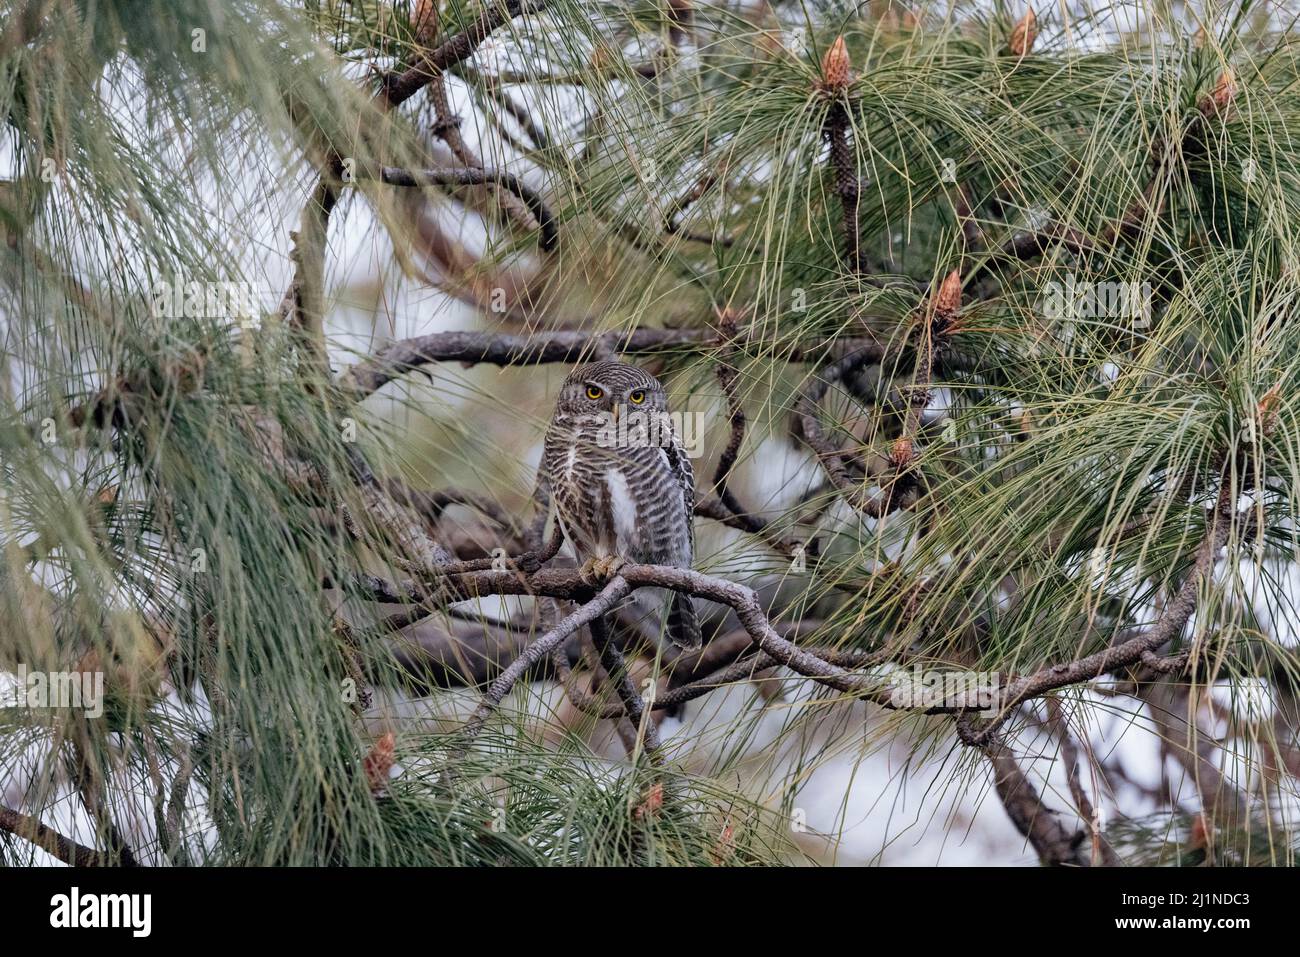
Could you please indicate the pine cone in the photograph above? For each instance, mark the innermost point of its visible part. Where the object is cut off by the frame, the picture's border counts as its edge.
(946, 302)
(651, 804)
(379, 762)
(901, 452)
(1023, 34)
(1268, 409)
(837, 71)
(424, 21)
(1218, 100)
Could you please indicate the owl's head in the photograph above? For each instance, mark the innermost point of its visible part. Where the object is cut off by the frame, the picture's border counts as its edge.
(601, 388)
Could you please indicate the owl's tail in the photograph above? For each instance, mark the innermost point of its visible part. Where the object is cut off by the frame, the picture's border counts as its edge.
(683, 625)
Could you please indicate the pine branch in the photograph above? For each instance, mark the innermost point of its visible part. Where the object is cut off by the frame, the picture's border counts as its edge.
(49, 840)
(477, 176)
(567, 346)
(1171, 623)
(1055, 844)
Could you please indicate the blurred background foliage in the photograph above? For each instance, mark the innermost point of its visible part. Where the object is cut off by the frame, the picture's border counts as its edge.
(154, 525)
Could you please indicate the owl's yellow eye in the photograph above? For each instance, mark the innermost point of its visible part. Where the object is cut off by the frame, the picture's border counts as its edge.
(637, 397)
(595, 392)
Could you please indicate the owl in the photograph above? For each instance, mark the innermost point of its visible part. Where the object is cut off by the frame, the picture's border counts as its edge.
(621, 482)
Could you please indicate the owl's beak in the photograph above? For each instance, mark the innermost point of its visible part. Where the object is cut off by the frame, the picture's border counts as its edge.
(614, 411)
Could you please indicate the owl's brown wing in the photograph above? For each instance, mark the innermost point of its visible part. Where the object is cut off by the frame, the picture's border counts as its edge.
(565, 485)
(683, 623)
(680, 465)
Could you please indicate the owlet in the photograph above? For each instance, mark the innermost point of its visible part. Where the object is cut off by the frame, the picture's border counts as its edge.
(621, 482)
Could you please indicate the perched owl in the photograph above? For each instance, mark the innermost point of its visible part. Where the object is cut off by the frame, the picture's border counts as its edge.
(621, 482)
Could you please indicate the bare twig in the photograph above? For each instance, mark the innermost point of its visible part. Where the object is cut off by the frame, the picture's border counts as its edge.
(1055, 844)
(748, 522)
(397, 88)
(727, 375)
(49, 840)
(567, 346)
(603, 602)
(477, 176)
(615, 667)
(833, 459)
(1102, 852)
(304, 302)
(447, 127)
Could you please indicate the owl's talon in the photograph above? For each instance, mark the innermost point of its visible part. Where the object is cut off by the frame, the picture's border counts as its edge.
(598, 571)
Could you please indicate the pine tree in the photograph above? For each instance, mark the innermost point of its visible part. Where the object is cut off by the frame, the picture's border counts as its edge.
(983, 323)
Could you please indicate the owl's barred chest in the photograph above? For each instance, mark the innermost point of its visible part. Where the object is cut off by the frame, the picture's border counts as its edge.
(601, 513)
(625, 502)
